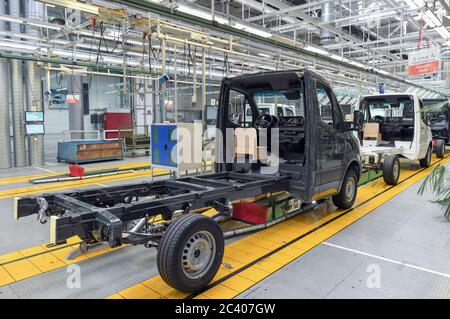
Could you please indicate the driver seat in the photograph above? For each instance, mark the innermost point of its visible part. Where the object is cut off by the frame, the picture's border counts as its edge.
(371, 134)
(246, 143)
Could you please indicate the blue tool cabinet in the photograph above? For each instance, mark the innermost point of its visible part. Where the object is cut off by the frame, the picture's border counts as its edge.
(172, 149)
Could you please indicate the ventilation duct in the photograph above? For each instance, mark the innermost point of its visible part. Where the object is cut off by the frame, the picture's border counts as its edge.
(327, 16)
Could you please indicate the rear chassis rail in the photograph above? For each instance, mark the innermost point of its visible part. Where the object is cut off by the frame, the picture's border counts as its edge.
(101, 214)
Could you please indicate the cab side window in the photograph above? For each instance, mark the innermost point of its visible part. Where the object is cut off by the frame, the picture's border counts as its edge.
(326, 111)
(239, 111)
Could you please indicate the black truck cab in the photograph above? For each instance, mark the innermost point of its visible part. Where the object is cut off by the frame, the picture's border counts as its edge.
(315, 147)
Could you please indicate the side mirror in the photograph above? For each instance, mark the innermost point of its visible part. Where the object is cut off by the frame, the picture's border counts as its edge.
(358, 120)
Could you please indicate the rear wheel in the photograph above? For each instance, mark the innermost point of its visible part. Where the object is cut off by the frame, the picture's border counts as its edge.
(440, 148)
(190, 252)
(346, 197)
(391, 169)
(425, 162)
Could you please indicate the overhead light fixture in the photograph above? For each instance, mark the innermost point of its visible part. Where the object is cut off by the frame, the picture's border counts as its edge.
(264, 55)
(9, 18)
(443, 32)
(72, 4)
(14, 45)
(45, 25)
(314, 49)
(208, 16)
(201, 14)
(252, 30)
(431, 19)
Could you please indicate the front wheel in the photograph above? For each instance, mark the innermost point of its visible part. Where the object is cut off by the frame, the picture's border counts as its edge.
(346, 197)
(425, 162)
(440, 148)
(190, 252)
(391, 169)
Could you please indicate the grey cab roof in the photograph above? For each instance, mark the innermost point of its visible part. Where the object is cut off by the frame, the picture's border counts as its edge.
(270, 81)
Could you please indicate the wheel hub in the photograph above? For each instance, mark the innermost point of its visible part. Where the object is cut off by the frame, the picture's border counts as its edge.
(198, 254)
(395, 170)
(350, 189)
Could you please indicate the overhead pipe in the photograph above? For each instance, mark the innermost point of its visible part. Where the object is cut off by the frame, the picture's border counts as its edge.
(34, 10)
(18, 114)
(5, 135)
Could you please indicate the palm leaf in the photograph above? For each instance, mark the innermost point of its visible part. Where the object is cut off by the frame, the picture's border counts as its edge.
(439, 183)
(435, 108)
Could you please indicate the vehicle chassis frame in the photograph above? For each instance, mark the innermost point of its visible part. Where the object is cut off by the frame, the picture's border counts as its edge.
(100, 214)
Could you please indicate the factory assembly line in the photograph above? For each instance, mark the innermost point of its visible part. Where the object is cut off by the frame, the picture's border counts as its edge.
(191, 246)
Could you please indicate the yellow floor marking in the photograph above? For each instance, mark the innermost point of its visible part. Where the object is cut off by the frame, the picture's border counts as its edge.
(220, 292)
(115, 296)
(22, 269)
(36, 260)
(21, 191)
(139, 292)
(5, 277)
(249, 249)
(159, 286)
(26, 178)
(5, 258)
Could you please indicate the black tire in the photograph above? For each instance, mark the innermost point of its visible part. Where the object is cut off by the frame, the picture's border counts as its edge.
(189, 236)
(440, 148)
(391, 169)
(425, 162)
(347, 195)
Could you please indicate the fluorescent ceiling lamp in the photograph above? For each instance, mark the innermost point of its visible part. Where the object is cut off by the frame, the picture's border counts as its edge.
(201, 14)
(72, 4)
(311, 48)
(28, 47)
(45, 25)
(208, 16)
(9, 18)
(252, 30)
(264, 55)
(431, 19)
(443, 32)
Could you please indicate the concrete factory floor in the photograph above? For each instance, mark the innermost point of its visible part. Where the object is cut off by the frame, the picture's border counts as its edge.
(393, 244)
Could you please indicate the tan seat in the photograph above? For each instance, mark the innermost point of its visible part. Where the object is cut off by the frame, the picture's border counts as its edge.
(372, 132)
(245, 141)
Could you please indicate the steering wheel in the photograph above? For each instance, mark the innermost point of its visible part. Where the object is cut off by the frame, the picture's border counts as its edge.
(378, 118)
(266, 121)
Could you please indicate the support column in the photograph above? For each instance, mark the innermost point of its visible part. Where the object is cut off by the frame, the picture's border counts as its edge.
(18, 114)
(5, 135)
(34, 10)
